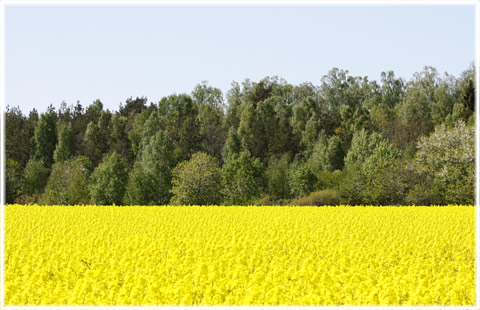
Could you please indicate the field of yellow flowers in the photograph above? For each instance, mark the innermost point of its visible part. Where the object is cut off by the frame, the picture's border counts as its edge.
(109, 255)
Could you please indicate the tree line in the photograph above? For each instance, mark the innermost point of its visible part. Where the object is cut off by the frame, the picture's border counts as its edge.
(348, 140)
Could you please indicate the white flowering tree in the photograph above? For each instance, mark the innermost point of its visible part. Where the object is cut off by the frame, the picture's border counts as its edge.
(447, 160)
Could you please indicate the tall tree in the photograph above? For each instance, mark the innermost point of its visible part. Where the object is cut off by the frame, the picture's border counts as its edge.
(68, 182)
(243, 179)
(150, 179)
(197, 181)
(13, 180)
(35, 177)
(45, 138)
(66, 144)
(446, 160)
(97, 137)
(178, 115)
(108, 181)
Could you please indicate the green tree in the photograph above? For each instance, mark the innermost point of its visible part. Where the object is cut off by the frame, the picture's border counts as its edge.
(327, 154)
(212, 131)
(277, 175)
(232, 145)
(382, 171)
(97, 137)
(108, 181)
(203, 94)
(13, 180)
(18, 131)
(301, 180)
(68, 182)
(362, 147)
(119, 138)
(446, 161)
(45, 138)
(150, 179)
(178, 116)
(372, 172)
(197, 181)
(66, 144)
(138, 138)
(243, 179)
(133, 106)
(35, 177)
(234, 101)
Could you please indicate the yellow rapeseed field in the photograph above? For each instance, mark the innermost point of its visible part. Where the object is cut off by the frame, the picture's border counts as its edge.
(108, 255)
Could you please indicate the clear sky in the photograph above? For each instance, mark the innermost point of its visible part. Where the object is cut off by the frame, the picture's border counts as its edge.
(111, 53)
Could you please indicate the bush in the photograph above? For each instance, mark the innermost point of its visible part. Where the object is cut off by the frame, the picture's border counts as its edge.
(28, 199)
(269, 200)
(326, 197)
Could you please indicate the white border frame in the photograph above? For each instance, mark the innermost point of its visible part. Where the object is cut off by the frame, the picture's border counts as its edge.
(4, 3)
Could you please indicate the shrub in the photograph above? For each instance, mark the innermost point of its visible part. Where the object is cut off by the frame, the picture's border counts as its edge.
(326, 197)
(269, 200)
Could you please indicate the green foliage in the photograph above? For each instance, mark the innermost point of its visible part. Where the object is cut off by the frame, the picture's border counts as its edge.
(362, 147)
(326, 197)
(351, 186)
(18, 131)
(150, 179)
(136, 134)
(197, 181)
(232, 146)
(328, 179)
(263, 129)
(178, 116)
(13, 180)
(301, 180)
(327, 154)
(96, 137)
(133, 106)
(243, 179)
(277, 175)
(212, 131)
(45, 138)
(108, 181)
(446, 160)
(119, 141)
(67, 183)
(348, 133)
(371, 174)
(66, 144)
(203, 94)
(35, 177)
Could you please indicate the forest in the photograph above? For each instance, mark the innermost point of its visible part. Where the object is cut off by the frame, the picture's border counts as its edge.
(349, 140)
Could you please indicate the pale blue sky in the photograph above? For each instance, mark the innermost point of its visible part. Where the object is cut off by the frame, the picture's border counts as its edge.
(56, 53)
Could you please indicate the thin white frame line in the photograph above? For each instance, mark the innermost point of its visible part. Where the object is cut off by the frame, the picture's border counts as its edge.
(242, 2)
(4, 3)
(2, 150)
(477, 155)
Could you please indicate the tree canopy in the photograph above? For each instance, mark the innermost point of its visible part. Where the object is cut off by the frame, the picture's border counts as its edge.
(355, 140)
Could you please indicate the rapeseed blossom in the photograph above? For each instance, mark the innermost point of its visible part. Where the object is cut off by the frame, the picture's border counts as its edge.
(109, 255)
